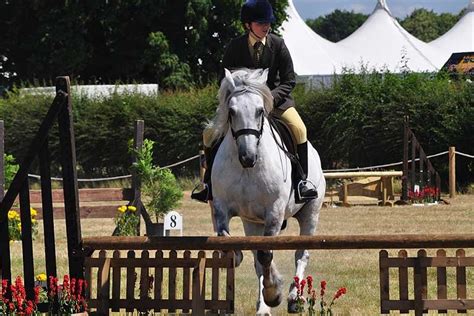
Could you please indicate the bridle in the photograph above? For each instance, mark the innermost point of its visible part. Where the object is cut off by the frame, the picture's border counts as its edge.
(246, 131)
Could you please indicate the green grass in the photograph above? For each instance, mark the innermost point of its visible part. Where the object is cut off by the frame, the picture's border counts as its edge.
(355, 269)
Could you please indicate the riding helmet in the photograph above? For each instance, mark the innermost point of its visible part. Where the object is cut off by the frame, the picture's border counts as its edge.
(260, 11)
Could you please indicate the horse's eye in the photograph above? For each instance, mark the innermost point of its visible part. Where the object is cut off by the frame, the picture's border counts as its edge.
(259, 113)
(231, 112)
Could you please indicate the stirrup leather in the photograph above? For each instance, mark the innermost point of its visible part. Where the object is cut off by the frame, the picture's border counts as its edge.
(310, 185)
(197, 195)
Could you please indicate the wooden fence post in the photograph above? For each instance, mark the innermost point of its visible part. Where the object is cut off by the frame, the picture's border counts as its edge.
(71, 191)
(2, 161)
(136, 181)
(452, 172)
(405, 161)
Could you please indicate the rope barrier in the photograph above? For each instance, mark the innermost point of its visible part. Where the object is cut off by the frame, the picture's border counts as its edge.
(117, 177)
(197, 156)
(465, 155)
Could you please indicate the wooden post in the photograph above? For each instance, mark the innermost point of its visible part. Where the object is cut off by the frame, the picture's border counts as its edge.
(136, 181)
(452, 172)
(71, 192)
(2, 161)
(5, 271)
(405, 161)
(47, 204)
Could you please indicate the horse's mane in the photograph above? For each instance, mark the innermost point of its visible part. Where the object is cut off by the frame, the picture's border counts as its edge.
(245, 81)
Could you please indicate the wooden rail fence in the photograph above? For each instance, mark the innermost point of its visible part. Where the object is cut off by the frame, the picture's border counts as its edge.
(419, 264)
(186, 273)
(421, 303)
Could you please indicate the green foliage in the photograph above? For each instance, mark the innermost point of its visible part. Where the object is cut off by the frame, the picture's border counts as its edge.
(11, 169)
(160, 189)
(358, 121)
(109, 41)
(428, 25)
(169, 71)
(126, 221)
(423, 24)
(337, 25)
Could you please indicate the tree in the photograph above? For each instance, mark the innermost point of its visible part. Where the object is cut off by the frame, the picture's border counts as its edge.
(337, 25)
(110, 41)
(428, 25)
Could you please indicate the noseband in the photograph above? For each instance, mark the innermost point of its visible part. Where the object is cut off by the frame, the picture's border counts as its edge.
(245, 131)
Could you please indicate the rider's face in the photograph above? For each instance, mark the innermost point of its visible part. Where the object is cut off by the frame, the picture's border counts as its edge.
(260, 29)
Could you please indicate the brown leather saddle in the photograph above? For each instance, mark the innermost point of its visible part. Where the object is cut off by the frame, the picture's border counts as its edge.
(285, 133)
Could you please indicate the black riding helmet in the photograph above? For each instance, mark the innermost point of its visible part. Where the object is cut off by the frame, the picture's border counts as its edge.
(259, 11)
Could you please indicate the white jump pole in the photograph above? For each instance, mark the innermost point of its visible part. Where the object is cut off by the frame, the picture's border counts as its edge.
(452, 172)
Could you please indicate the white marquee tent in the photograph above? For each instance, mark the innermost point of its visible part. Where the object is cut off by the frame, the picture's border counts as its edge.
(381, 43)
(460, 38)
(311, 53)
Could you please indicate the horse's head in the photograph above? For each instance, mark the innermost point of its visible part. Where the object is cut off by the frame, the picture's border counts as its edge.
(246, 100)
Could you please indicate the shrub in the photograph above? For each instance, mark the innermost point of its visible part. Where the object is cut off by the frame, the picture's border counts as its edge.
(160, 189)
(11, 169)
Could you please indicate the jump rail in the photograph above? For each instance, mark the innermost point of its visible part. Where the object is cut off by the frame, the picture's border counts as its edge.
(281, 242)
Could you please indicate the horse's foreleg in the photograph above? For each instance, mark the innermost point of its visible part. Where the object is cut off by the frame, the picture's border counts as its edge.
(308, 218)
(272, 281)
(221, 226)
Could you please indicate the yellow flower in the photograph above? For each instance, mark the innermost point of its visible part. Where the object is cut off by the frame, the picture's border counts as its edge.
(41, 277)
(12, 214)
(33, 212)
(122, 209)
(19, 225)
(132, 208)
(33, 221)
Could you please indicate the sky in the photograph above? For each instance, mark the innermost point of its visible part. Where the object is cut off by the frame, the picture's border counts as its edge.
(310, 9)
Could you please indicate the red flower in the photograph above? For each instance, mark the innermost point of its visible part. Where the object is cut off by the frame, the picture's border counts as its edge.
(323, 287)
(339, 293)
(309, 278)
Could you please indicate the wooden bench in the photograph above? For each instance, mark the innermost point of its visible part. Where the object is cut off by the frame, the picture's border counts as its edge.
(379, 185)
(421, 303)
(104, 274)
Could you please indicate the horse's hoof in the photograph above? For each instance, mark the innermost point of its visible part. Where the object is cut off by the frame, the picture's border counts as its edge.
(292, 307)
(274, 302)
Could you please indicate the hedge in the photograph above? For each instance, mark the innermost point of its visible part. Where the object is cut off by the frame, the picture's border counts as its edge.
(356, 122)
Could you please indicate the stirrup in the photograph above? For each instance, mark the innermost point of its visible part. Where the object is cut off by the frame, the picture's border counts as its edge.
(310, 186)
(199, 196)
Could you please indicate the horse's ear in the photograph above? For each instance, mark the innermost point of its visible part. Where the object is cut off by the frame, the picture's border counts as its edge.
(262, 76)
(229, 79)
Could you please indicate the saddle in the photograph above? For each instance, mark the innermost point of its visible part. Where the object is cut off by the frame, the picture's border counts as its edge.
(285, 133)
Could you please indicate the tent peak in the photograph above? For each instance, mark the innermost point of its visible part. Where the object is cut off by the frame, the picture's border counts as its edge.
(470, 7)
(382, 4)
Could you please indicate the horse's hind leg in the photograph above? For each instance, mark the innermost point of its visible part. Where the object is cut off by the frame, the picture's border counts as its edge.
(307, 218)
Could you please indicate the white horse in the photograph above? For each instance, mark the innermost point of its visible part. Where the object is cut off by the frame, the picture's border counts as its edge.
(251, 178)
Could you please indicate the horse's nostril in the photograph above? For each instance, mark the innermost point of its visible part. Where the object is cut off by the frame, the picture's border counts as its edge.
(248, 161)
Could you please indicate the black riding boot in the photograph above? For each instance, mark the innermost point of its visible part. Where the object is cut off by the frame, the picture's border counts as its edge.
(305, 189)
(205, 194)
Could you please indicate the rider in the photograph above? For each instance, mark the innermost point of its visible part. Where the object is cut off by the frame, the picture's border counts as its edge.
(258, 48)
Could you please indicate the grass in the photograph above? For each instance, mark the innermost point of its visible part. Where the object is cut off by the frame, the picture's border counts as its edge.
(355, 269)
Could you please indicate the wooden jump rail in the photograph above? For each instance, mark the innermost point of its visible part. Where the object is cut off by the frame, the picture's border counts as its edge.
(281, 242)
